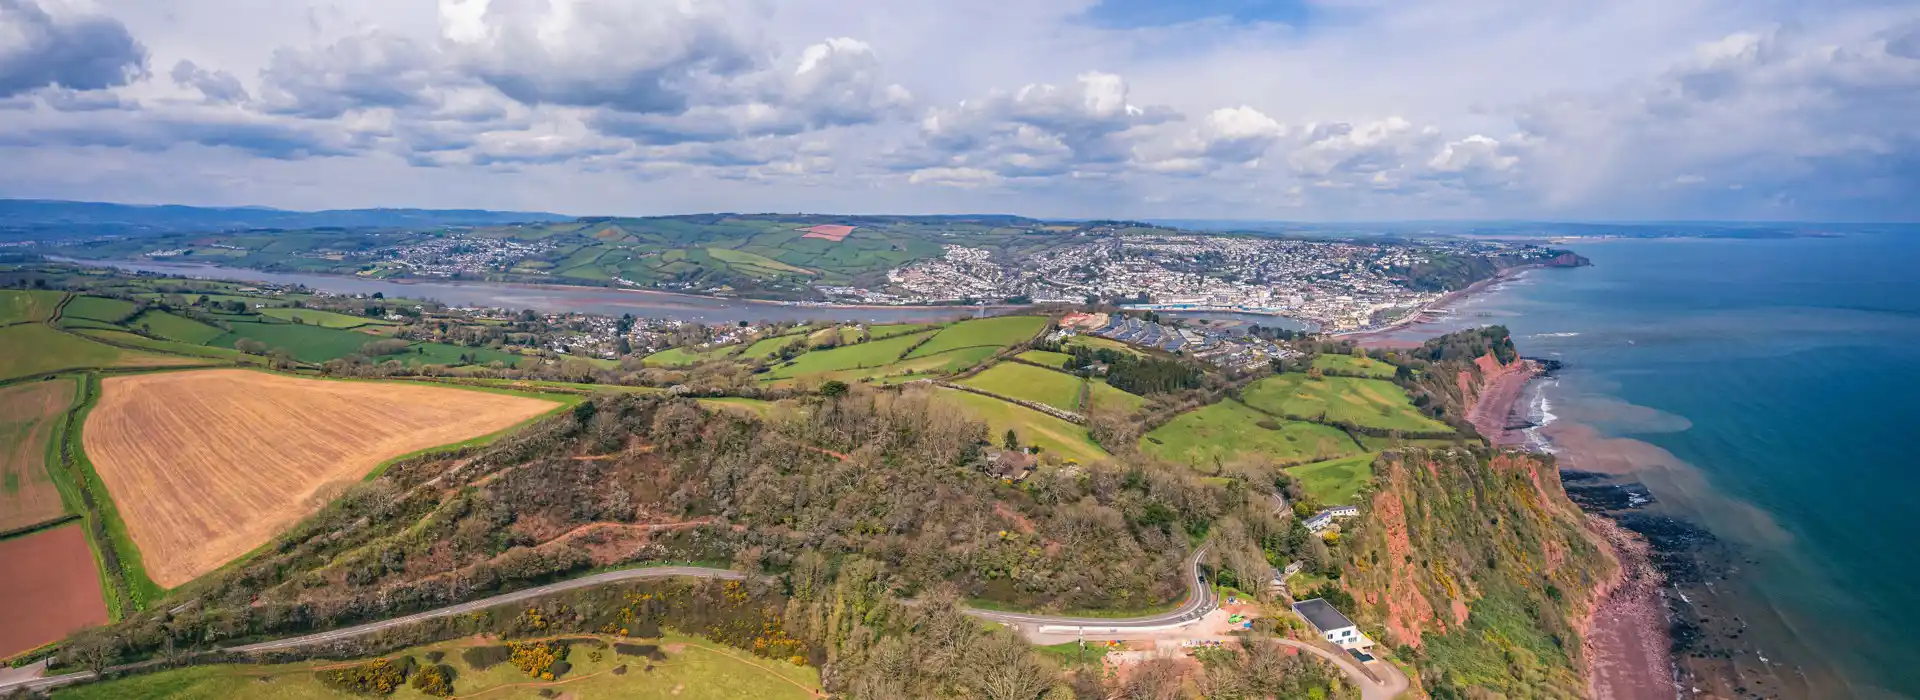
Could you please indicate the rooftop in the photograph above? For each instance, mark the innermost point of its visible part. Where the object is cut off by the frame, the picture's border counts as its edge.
(1321, 614)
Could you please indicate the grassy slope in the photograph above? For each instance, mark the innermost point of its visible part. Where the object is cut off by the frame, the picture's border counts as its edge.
(1029, 383)
(1000, 331)
(307, 343)
(870, 354)
(167, 346)
(175, 328)
(700, 670)
(1033, 427)
(1366, 402)
(18, 306)
(324, 319)
(1056, 360)
(97, 308)
(1228, 430)
(1337, 481)
(32, 348)
(1360, 366)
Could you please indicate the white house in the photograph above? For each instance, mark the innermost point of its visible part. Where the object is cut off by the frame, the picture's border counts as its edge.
(1332, 625)
(1322, 519)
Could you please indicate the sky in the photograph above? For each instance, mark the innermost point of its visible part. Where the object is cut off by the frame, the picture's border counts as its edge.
(1307, 110)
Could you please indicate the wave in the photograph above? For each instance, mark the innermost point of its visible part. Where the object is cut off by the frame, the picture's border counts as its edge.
(1540, 415)
(1555, 335)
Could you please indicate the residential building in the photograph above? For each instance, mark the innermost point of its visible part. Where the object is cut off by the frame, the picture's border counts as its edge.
(1332, 626)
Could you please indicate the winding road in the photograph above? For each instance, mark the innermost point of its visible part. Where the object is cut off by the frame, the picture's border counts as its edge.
(1200, 601)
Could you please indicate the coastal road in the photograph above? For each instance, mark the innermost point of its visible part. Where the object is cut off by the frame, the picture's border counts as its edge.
(1200, 601)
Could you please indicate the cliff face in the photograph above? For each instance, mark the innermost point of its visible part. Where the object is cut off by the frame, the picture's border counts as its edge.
(1477, 563)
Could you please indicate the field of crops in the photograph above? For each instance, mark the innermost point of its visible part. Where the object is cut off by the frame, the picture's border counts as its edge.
(206, 465)
(1050, 434)
(48, 589)
(28, 414)
(999, 331)
(1366, 402)
(1229, 431)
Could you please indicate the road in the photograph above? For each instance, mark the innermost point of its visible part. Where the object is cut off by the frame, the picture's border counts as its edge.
(1391, 686)
(1200, 600)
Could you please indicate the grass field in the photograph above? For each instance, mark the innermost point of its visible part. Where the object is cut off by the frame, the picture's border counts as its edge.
(28, 414)
(757, 407)
(1367, 402)
(167, 346)
(1029, 383)
(323, 319)
(1056, 360)
(307, 343)
(20, 306)
(97, 308)
(1098, 343)
(1228, 431)
(740, 257)
(1335, 482)
(175, 328)
(843, 335)
(682, 357)
(28, 349)
(1357, 366)
(1377, 444)
(999, 331)
(766, 347)
(48, 589)
(692, 669)
(446, 354)
(207, 465)
(871, 354)
(893, 329)
(1052, 435)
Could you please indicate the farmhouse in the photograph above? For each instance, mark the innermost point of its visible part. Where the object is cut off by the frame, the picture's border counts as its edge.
(1322, 519)
(1332, 625)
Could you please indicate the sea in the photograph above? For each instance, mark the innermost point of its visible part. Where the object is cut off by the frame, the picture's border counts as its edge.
(1765, 391)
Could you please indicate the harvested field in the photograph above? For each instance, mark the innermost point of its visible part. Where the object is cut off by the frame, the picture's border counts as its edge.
(831, 232)
(207, 465)
(28, 413)
(57, 593)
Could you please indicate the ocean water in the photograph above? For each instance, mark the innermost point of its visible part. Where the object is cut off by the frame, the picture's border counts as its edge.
(1767, 391)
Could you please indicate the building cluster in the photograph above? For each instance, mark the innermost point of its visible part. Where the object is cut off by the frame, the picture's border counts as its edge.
(1218, 347)
(1339, 285)
(453, 255)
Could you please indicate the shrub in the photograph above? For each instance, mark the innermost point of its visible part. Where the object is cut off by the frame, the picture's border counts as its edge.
(542, 660)
(376, 677)
(434, 680)
(483, 658)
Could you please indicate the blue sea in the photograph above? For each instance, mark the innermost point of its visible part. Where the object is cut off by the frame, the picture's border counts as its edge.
(1766, 390)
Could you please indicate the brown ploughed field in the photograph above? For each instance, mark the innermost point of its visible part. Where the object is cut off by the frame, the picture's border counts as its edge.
(49, 587)
(206, 465)
(28, 413)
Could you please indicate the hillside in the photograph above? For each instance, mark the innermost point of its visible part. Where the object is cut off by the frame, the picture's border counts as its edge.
(1477, 566)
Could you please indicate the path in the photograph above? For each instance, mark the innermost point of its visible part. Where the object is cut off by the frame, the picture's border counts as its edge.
(1392, 686)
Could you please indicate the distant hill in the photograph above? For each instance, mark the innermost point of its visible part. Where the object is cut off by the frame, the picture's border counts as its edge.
(48, 219)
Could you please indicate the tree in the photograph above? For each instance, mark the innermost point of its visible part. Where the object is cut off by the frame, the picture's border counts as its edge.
(250, 346)
(1315, 374)
(1011, 440)
(95, 650)
(833, 388)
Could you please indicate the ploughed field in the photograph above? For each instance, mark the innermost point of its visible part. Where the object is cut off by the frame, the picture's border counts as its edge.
(28, 413)
(207, 465)
(49, 587)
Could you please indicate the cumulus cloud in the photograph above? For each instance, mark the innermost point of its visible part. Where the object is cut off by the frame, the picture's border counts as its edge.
(77, 52)
(1039, 130)
(214, 85)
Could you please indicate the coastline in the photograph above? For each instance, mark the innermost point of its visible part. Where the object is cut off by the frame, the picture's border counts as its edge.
(1433, 312)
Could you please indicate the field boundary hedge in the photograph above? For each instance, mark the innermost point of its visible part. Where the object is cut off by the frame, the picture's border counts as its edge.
(1067, 416)
(123, 576)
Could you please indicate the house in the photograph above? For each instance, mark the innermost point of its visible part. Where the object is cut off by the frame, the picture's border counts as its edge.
(1011, 465)
(1322, 519)
(1332, 626)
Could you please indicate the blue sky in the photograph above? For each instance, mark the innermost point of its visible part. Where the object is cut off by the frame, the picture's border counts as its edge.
(1321, 110)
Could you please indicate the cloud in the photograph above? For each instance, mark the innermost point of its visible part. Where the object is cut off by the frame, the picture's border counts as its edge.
(372, 70)
(214, 85)
(1039, 130)
(77, 52)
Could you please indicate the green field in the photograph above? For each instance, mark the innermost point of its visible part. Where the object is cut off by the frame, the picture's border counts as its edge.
(999, 332)
(17, 306)
(97, 308)
(766, 347)
(140, 341)
(324, 319)
(307, 343)
(1055, 360)
(737, 258)
(693, 669)
(447, 354)
(682, 357)
(1050, 434)
(175, 328)
(873, 354)
(1354, 366)
(1098, 343)
(29, 349)
(1366, 402)
(1029, 383)
(1377, 444)
(1227, 431)
(843, 335)
(1337, 481)
(756, 407)
(893, 329)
